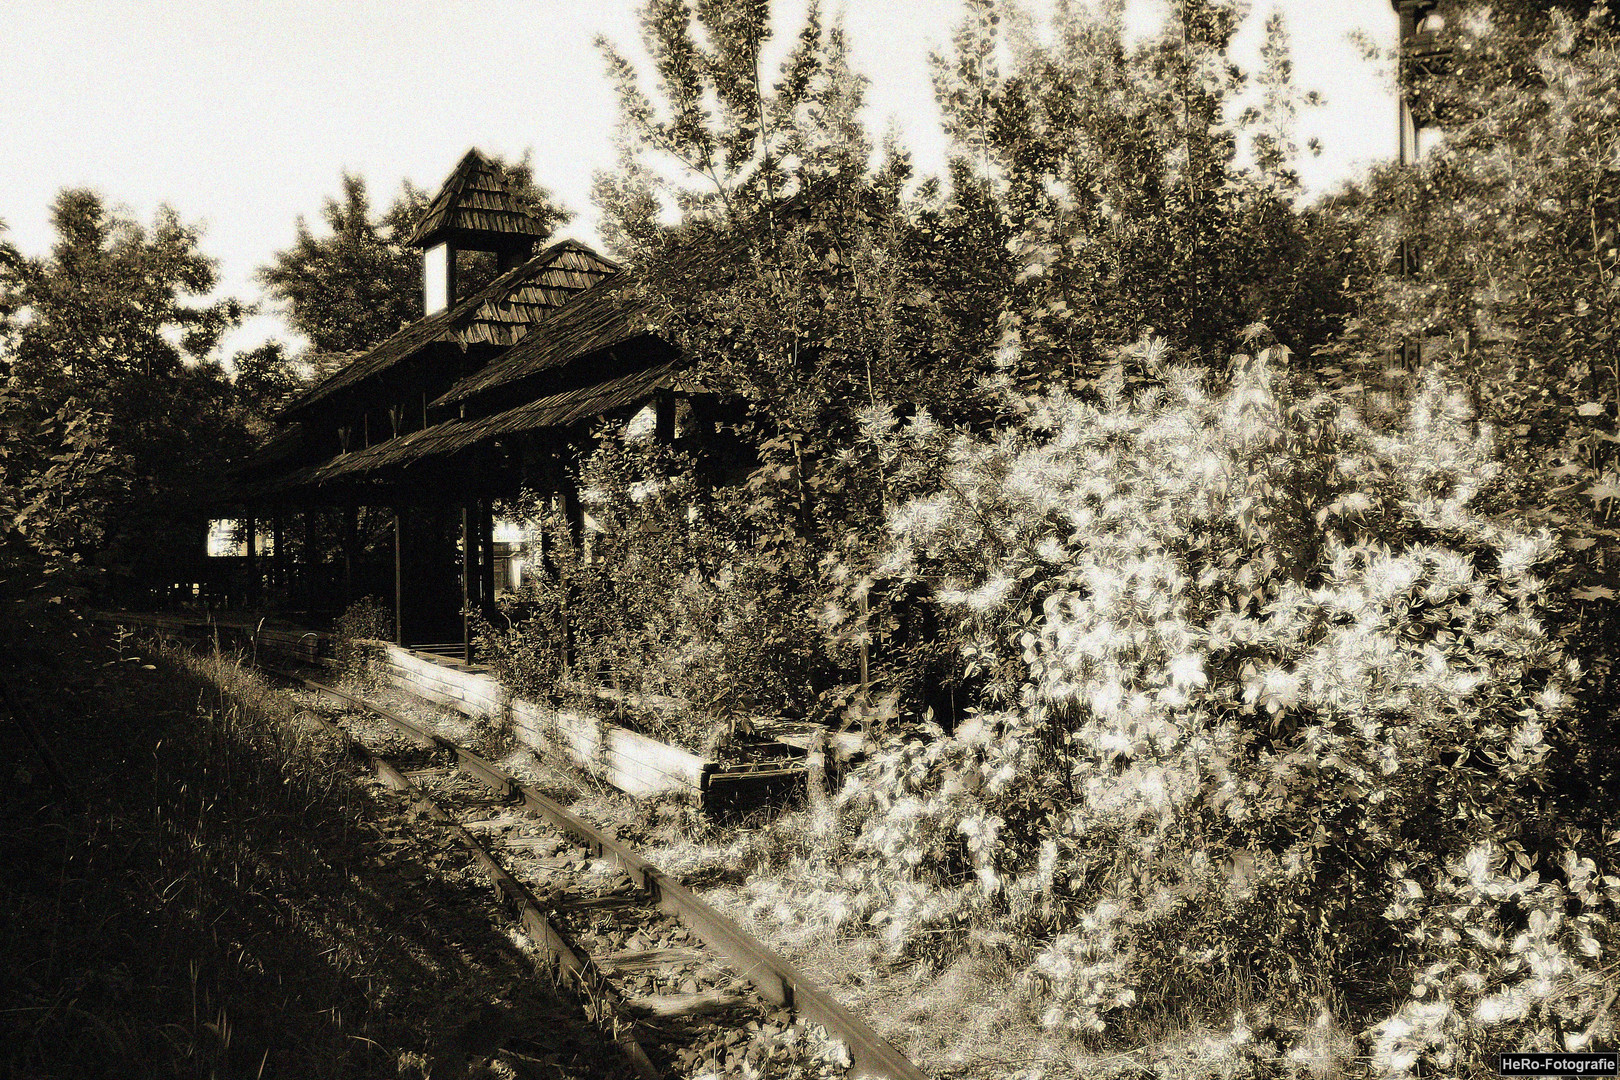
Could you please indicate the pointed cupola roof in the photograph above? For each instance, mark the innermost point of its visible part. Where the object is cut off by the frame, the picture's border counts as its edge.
(478, 210)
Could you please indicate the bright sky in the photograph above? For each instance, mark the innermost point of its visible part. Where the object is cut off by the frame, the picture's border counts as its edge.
(243, 113)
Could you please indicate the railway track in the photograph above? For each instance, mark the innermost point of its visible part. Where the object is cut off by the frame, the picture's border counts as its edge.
(680, 988)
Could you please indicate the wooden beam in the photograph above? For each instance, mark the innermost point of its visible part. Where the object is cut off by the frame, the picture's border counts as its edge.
(486, 558)
(252, 561)
(664, 418)
(307, 584)
(278, 559)
(399, 577)
(469, 579)
(350, 542)
(573, 511)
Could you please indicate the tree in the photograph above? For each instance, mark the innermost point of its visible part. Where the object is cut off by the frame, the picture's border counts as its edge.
(9, 260)
(1497, 251)
(1512, 221)
(119, 421)
(730, 147)
(266, 376)
(1112, 171)
(113, 299)
(349, 290)
(788, 276)
(796, 304)
(799, 281)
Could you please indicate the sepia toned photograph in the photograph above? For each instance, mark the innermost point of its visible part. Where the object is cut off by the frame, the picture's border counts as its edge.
(809, 539)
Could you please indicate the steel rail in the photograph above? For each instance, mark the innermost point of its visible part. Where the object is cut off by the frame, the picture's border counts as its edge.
(771, 974)
(600, 997)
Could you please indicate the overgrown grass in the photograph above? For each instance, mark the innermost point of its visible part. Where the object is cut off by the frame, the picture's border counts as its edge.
(227, 897)
(166, 936)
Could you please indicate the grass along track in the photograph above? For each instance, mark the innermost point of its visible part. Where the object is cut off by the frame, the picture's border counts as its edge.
(699, 995)
(225, 894)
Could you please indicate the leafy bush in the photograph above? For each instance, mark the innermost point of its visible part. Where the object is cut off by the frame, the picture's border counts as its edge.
(1240, 654)
(673, 594)
(1506, 958)
(367, 619)
(1498, 251)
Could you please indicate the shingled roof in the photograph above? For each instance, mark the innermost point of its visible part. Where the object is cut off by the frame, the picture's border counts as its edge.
(451, 436)
(528, 293)
(500, 313)
(589, 322)
(477, 200)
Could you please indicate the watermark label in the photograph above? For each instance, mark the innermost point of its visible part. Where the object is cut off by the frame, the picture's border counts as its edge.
(1558, 1064)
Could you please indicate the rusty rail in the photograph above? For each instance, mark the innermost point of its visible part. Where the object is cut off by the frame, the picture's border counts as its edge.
(771, 974)
(599, 995)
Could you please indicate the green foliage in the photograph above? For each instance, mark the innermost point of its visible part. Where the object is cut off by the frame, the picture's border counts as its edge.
(1513, 220)
(1238, 652)
(737, 143)
(787, 280)
(672, 595)
(368, 619)
(113, 300)
(349, 290)
(806, 291)
(1111, 172)
(266, 376)
(1509, 278)
(1506, 958)
(119, 419)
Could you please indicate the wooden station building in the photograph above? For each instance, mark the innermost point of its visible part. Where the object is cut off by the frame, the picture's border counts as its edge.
(489, 393)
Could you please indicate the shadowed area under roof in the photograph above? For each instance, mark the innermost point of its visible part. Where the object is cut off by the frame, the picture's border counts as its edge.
(557, 410)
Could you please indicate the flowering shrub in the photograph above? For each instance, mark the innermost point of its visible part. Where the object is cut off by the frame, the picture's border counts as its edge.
(1238, 650)
(1506, 960)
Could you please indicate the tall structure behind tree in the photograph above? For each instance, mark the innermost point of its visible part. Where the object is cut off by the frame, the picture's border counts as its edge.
(1419, 51)
(499, 387)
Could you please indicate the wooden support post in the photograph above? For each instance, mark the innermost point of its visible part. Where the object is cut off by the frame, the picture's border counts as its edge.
(574, 512)
(399, 578)
(311, 595)
(278, 561)
(664, 418)
(545, 543)
(350, 541)
(469, 578)
(486, 558)
(252, 561)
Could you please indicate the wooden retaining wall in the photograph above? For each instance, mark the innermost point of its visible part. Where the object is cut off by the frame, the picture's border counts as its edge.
(629, 761)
